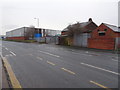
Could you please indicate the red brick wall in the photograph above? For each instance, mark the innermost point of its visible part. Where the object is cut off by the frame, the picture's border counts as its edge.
(101, 43)
(117, 34)
(109, 33)
(16, 38)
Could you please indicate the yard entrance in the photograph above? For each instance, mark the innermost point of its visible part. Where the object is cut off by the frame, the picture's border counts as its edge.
(81, 39)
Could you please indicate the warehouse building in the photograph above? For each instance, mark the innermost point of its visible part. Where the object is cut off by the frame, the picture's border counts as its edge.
(32, 33)
(23, 33)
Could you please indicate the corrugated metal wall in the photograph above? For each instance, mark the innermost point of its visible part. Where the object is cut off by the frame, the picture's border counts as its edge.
(16, 33)
(81, 39)
(8, 34)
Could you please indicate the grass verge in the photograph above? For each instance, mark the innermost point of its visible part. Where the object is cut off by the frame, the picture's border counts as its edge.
(25, 41)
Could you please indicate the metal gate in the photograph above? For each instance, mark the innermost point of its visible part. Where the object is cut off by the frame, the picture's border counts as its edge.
(52, 40)
(81, 39)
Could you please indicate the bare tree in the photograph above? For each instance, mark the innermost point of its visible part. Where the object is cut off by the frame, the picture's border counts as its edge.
(30, 32)
(75, 28)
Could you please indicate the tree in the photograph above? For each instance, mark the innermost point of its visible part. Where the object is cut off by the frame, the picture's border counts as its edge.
(30, 32)
(75, 28)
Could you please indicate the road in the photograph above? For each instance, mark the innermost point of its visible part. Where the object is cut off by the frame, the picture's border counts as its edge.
(54, 66)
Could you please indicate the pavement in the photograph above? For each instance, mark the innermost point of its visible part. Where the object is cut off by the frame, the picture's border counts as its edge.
(53, 66)
(3, 77)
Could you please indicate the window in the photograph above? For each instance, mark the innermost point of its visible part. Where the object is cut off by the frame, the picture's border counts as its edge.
(105, 29)
(98, 30)
(102, 34)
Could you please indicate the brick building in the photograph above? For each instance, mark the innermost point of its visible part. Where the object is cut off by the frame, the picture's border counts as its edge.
(105, 37)
(78, 33)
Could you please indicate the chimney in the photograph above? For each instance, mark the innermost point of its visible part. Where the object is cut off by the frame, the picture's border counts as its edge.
(90, 19)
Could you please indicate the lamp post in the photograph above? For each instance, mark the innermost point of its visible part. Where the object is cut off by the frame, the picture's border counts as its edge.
(37, 26)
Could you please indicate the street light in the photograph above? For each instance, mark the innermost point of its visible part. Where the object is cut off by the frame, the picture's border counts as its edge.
(38, 26)
(37, 21)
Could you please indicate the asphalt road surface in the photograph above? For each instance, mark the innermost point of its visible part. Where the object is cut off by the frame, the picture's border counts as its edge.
(54, 66)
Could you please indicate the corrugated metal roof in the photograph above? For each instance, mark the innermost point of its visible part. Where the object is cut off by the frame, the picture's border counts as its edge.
(65, 29)
(84, 24)
(114, 28)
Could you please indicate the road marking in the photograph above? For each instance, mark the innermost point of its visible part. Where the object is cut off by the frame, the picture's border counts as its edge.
(6, 48)
(100, 68)
(31, 54)
(7, 55)
(90, 55)
(81, 54)
(49, 54)
(115, 60)
(115, 57)
(100, 85)
(93, 54)
(39, 58)
(68, 71)
(86, 52)
(73, 50)
(13, 53)
(15, 83)
(50, 63)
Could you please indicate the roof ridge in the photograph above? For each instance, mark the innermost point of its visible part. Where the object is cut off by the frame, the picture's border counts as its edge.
(110, 25)
(113, 27)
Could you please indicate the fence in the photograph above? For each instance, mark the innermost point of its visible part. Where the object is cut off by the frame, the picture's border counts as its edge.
(49, 40)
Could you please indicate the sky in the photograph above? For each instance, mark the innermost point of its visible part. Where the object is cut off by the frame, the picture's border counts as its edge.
(55, 14)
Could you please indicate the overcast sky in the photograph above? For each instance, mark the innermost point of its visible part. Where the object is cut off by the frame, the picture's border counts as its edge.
(56, 14)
